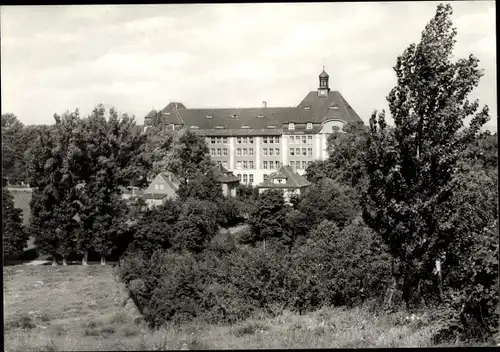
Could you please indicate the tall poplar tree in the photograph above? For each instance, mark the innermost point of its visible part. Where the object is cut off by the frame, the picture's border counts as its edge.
(411, 168)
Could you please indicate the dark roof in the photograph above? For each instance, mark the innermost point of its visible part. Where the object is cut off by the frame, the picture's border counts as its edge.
(293, 179)
(154, 196)
(247, 121)
(224, 175)
(323, 74)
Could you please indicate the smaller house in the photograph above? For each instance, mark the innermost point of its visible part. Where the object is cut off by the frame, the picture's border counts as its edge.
(287, 180)
(228, 181)
(163, 187)
(130, 193)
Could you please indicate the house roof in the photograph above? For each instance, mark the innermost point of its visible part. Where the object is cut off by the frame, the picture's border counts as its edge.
(224, 175)
(154, 196)
(171, 181)
(292, 179)
(268, 120)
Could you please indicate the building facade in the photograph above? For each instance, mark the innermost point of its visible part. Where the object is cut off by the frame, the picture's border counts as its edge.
(255, 142)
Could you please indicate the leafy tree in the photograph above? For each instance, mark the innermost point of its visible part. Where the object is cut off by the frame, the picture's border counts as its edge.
(15, 236)
(154, 152)
(157, 227)
(410, 168)
(329, 200)
(12, 148)
(188, 156)
(196, 226)
(268, 219)
(203, 187)
(319, 170)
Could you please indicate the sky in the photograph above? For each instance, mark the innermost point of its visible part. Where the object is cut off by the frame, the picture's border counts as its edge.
(140, 57)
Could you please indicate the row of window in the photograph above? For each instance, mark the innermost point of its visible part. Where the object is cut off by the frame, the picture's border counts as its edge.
(245, 178)
(218, 140)
(271, 151)
(270, 140)
(291, 126)
(157, 186)
(240, 140)
(222, 163)
(296, 139)
(245, 151)
(271, 165)
(245, 164)
(218, 151)
(300, 165)
(305, 152)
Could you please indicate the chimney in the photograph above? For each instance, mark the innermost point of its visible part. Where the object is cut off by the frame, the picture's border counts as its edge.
(264, 104)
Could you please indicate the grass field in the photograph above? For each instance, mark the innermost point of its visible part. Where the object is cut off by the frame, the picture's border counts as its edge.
(85, 308)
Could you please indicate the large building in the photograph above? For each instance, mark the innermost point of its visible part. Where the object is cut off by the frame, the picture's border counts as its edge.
(254, 142)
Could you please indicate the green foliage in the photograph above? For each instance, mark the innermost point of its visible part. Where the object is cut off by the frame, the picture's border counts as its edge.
(329, 200)
(203, 187)
(14, 234)
(411, 167)
(268, 218)
(188, 156)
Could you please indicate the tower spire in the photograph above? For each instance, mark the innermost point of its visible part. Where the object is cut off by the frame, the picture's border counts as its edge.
(323, 83)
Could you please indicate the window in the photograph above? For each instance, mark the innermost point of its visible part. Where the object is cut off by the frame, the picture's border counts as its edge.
(335, 128)
(276, 139)
(245, 178)
(310, 139)
(239, 176)
(309, 151)
(245, 164)
(271, 164)
(225, 151)
(162, 186)
(304, 165)
(292, 139)
(212, 140)
(270, 139)
(219, 163)
(212, 151)
(250, 140)
(292, 151)
(157, 186)
(264, 164)
(277, 151)
(309, 126)
(264, 139)
(304, 151)
(265, 177)
(297, 151)
(292, 164)
(238, 164)
(245, 126)
(245, 140)
(250, 178)
(245, 151)
(238, 151)
(238, 140)
(250, 164)
(291, 126)
(224, 163)
(264, 151)
(304, 139)
(271, 151)
(219, 126)
(250, 151)
(219, 151)
(209, 116)
(219, 140)
(224, 140)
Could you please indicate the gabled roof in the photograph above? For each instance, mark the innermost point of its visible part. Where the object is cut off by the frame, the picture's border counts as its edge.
(171, 181)
(224, 175)
(292, 179)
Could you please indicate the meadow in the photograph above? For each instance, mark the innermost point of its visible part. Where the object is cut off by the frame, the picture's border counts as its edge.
(86, 308)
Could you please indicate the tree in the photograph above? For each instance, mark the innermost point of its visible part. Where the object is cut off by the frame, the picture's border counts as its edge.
(203, 187)
(188, 157)
(329, 200)
(410, 167)
(319, 170)
(14, 235)
(12, 148)
(268, 218)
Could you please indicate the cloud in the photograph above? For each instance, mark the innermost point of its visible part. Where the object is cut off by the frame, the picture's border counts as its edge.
(138, 56)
